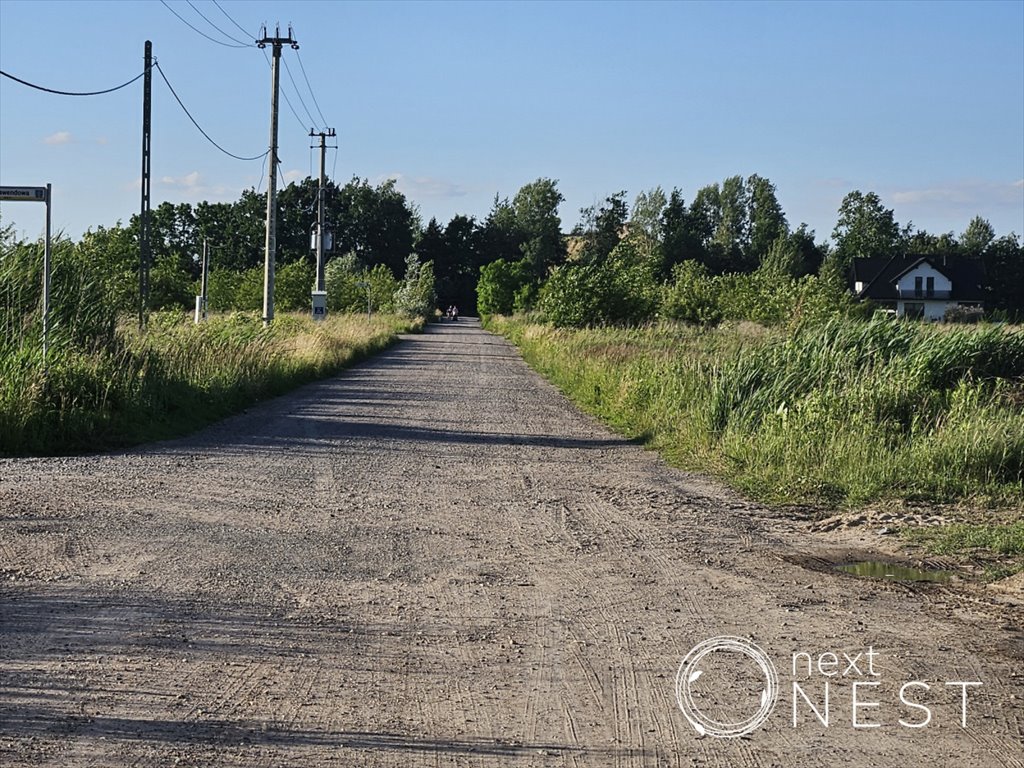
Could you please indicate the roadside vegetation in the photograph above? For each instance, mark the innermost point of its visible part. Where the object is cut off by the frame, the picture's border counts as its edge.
(105, 383)
(730, 342)
(838, 413)
(172, 379)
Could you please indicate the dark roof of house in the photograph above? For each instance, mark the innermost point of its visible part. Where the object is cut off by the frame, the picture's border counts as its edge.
(879, 276)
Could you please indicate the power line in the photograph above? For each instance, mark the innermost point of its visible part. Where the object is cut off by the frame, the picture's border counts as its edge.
(286, 99)
(229, 37)
(315, 104)
(198, 31)
(182, 105)
(263, 171)
(244, 31)
(297, 93)
(71, 93)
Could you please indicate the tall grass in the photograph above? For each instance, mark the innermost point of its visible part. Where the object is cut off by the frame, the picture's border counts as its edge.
(843, 411)
(171, 379)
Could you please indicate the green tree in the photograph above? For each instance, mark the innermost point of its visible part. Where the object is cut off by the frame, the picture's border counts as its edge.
(977, 237)
(767, 220)
(681, 237)
(865, 229)
(537, 220)
(293, 284)
(415, 296)
(1003, 261)
(500, 237)
(732, 235)
(646, 226)
(601, 228)
(376, 223)
(500, 282)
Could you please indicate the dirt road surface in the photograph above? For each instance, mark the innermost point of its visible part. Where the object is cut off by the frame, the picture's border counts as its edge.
(434, 559)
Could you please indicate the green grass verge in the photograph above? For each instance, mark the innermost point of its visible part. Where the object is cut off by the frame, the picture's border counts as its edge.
(843, 413)
(172, 379)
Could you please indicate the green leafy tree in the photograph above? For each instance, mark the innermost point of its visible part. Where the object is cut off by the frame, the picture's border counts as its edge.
(692, 295)
(732, 235)
(500, 237)
(415, 296)
(977, 237)
(376, 223)
(537, 221)
(865, 229)
(1004, 271)
(682, 239)
(500, 283)
(293, 285)
(767, 220)
(601, 228)
(645, 228)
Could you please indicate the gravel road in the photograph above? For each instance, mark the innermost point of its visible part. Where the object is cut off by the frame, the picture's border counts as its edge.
(434, 559)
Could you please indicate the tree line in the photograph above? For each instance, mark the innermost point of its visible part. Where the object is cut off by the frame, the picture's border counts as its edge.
(622, 256)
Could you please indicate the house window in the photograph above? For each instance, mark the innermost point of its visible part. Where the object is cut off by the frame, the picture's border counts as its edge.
(918, 285)
(930, 287)
(913, 310)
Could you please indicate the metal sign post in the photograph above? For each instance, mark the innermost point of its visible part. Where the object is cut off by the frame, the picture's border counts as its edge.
(37, 195)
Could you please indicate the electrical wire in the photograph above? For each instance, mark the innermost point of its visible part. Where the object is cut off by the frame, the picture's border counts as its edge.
(309, 114)
(243, 31)
(182, 105)
(285, 95)
(263, 172)
(301, 66)
(229, 37)
(198, 31)
(71, 93)
(315, 104)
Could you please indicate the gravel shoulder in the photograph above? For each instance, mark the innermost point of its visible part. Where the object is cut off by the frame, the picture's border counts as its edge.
(435, 559)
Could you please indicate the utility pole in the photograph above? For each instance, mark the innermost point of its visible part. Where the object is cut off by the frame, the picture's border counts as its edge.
(271, 246)
(144, 249)
(319, 291)
(201, 298)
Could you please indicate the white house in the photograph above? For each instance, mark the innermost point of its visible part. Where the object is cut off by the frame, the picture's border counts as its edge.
(922, 287)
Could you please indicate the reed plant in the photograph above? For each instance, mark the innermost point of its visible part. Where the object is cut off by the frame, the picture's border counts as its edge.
(843, 411)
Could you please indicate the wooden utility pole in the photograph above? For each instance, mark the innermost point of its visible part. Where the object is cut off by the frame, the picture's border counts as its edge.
(271, 245)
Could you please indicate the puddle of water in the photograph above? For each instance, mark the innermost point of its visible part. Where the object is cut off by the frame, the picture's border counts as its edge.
(875, 569)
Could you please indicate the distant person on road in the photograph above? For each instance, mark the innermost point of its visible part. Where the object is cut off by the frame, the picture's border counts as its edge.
(455, 312)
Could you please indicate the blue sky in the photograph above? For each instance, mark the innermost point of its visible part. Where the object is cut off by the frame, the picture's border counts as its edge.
(921, 102)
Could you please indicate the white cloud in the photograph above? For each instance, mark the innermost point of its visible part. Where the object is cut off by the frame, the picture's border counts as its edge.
(188, 181)
(60, 137)
(962, 193)
(290, 176)
(417, 187)
(193, 186)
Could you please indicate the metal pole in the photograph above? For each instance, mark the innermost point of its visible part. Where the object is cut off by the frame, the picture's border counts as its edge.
(46, 279)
